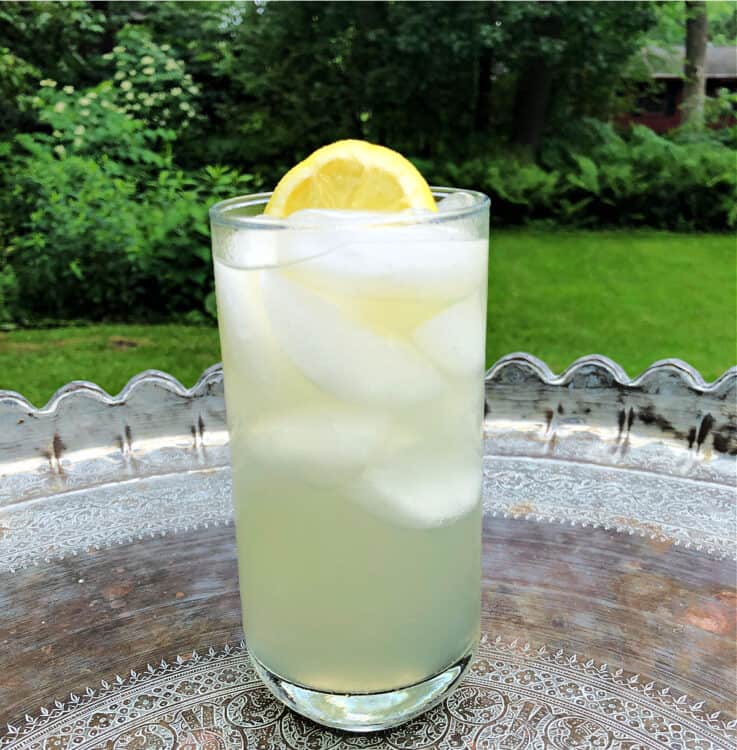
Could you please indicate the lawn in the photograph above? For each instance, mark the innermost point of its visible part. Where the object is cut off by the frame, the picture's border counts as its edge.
(633, 296)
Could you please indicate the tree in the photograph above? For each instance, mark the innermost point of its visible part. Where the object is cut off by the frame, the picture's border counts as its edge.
(436, 80)
(567, 60)
(694, 91)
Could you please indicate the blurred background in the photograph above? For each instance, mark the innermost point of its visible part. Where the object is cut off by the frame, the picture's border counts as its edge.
(605, 134)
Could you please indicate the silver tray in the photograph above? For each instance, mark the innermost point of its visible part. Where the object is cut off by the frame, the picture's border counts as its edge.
(610, 541)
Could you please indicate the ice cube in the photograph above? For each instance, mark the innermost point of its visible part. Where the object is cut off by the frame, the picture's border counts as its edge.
(252, 356)
(244, 324)
(326, 218)
(339, 354)
(422, 488)
(455, 202)
(249, 248)
(419, 262)
(454, 338)
(324, 445)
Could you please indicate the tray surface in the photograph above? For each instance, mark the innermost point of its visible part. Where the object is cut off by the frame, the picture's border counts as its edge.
(609, 597)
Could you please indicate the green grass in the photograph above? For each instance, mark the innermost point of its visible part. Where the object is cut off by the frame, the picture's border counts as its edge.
(633, 296)
(38, 362)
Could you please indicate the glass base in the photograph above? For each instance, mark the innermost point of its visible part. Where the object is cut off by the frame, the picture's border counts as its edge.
(366, 712)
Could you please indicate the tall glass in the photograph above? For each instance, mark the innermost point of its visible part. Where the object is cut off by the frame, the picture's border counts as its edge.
(353, 353)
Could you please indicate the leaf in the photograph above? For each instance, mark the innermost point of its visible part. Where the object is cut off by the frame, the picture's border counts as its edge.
(588, 176)
(76, 269)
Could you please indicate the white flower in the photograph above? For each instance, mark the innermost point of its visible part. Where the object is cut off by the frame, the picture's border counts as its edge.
(105, 104)
(185, 106)
(149, 101)
(59, 107)
(132, 73)
(175, 91)
(147, 60)
(130, 96)
(166, 113)
(60, 150)
(193, 90)
(57, 134)
(108, 56)
(77, 141)
(148, 71)
(119, 49)
(165, 47)
(79, 130)
(170, 65)
(68, 89)
(50, 82)
(85, 101)
(136, 107)
(120, 75)
(92, 95)
(84, 113)
(126, 85)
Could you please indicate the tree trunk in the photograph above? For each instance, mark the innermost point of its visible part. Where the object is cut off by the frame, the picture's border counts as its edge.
(531, 102)
(694, 91)
(483, 93)
(534, 86)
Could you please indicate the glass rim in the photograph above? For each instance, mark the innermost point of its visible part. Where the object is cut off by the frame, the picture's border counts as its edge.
(219, 213)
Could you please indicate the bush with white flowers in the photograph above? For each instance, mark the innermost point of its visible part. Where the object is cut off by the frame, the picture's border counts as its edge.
(156, 77)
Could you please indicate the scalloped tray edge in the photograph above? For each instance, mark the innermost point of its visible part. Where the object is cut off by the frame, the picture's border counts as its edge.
(689, 376)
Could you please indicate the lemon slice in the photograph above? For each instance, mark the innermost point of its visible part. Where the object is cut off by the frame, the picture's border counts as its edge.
(351, 175)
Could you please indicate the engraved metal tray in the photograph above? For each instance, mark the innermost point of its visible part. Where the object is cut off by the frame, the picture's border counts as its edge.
(610, 540)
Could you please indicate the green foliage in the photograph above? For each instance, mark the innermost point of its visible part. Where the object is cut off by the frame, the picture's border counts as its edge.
(71, 262)
(95, 242)
(112, 115)
(670, 22)
(17, 78)
(98, 220)
(720, 114)
(151, 82)
(8, 290)
(635, 179)
(56, 38)
(93, 122)
(131, 117)
(280, 79)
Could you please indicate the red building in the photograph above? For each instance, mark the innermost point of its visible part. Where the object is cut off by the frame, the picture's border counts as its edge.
(659, 105)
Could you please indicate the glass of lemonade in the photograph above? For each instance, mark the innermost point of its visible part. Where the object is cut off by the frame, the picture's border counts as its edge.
(353, 354)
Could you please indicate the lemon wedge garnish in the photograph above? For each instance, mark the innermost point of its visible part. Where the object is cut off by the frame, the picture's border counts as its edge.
(351, 175)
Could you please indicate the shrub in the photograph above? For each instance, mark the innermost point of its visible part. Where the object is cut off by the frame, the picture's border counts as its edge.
(92, 241)
(638, 178)
(79, 236)
(132, 118)
(96, 219)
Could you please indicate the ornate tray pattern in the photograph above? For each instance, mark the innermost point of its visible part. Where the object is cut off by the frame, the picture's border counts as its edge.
(610, 531)
(513, 697)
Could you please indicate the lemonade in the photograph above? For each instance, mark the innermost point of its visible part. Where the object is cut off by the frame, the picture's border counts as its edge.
(353, 352)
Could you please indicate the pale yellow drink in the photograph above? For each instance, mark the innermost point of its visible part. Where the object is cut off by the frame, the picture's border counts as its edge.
(353, 349)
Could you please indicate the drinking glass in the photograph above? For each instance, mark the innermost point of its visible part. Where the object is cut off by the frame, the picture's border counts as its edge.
(353, 356)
